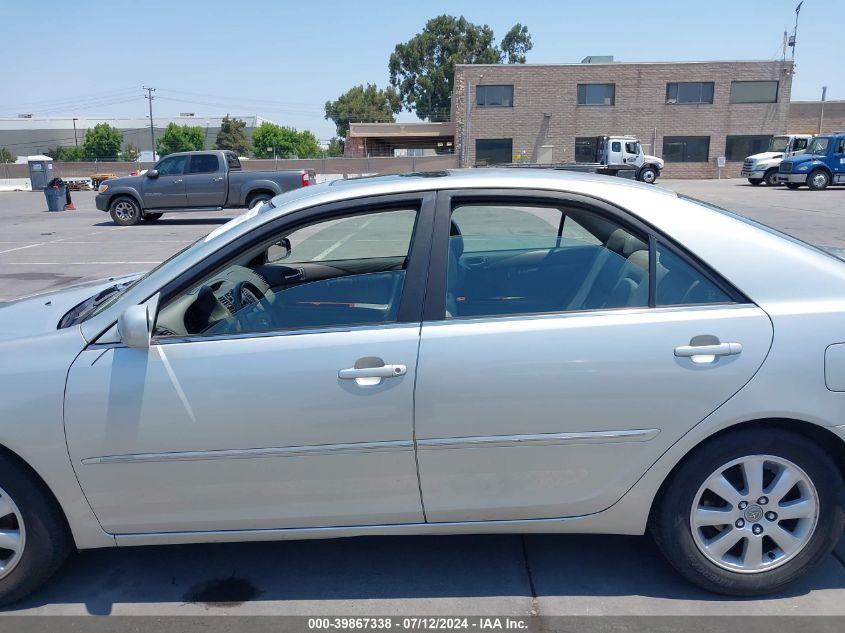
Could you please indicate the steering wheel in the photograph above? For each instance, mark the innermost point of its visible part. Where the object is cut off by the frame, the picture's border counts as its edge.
(245, 293)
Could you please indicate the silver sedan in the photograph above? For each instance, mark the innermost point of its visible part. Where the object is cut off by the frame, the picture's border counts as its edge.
(460, 352)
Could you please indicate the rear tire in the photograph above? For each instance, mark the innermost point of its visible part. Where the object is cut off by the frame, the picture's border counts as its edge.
(771, 177)
(124, 211)
(44, 536)
(818, 180)
(257, 199)
(151, 217)
(755, 181)
(744, 570)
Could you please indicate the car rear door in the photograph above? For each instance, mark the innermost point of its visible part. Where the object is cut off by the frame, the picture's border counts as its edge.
(551, 393)
(205, 181)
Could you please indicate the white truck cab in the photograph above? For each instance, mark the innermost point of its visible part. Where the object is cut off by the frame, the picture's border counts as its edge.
(763, 167)
(626, 152)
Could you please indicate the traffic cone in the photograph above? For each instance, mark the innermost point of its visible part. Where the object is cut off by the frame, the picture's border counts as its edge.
(70, 207)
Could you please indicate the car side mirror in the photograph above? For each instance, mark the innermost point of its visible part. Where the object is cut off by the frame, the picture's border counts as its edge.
(279, 251)
(152, 173)
(134, 327)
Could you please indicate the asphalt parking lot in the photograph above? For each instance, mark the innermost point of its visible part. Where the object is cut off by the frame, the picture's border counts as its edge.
(502, 575)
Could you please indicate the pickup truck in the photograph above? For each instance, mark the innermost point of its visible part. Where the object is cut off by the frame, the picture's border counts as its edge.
(193, 181)
(821, 165)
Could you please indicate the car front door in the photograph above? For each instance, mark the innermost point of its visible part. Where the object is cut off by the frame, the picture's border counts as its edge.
(167, 190)
(278, 391)
(563, 350)
(205, 181)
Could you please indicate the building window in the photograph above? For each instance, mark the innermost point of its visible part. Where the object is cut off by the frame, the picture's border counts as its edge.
(739, 147)
(597, 94)
(686, 149)
(689, 92)
(585, 149)
(486, 96)
(754, 91)
(493, 151)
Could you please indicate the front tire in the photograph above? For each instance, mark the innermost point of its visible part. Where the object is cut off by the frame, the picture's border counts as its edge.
(125, 211)
(751, 511)
(648, 175)
(30, 520)
(818, 180)
(771, 177)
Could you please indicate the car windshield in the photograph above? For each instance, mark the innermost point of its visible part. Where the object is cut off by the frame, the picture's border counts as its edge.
(778, 144)
(818, 146)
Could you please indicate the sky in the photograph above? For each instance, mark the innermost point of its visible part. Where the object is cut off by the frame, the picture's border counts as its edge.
(283, 60)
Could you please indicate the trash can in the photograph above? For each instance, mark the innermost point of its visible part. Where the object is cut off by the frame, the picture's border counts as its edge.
(56, 197)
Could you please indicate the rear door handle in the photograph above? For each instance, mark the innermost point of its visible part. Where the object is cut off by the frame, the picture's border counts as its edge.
(176, 182)
(385, 371)
(719, 349)
(220, 179)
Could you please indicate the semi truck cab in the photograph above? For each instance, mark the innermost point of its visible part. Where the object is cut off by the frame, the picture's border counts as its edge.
(763, 167)
(626, 152)
(823, 164)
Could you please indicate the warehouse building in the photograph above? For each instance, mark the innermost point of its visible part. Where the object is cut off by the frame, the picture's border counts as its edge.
(688, 113)
(28, 134)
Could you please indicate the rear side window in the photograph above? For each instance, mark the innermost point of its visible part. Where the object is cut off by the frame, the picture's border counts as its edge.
(204, 164)
(233, 161)
(678, 283)
(528, 259)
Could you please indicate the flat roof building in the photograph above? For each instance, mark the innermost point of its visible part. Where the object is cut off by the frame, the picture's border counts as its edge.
(25, 135)
(688, 113)
(399, 139)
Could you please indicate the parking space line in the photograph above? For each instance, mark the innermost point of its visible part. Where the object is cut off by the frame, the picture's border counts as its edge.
(20, 248)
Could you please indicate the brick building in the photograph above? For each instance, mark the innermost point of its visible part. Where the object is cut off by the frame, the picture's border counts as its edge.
(688, 113)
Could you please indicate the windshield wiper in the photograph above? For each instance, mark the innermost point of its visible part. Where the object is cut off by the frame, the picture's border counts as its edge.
(82, 311)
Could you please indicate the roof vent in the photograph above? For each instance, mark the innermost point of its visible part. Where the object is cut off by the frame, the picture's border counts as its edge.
(597, 59)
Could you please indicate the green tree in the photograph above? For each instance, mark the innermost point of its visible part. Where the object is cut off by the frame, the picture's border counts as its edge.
(102, 142)
(130, 153)
(6, 156)
(180, 138)
(269, 139)
(423, 68)
(67, 154)
(336, 147)
(363, 105)
(232, 136)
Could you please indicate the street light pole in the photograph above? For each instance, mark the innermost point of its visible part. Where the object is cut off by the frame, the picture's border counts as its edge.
(821, 114)
(75, 140)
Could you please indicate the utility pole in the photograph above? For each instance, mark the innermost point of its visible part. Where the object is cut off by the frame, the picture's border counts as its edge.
(75, 140)
(821, 114)
(149, 96)
(795, 30)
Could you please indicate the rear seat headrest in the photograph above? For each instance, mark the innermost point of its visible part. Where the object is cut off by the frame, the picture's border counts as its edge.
(623, 243)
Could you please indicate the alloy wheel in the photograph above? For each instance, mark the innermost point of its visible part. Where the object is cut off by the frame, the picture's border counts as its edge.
(12, 534)
(754, 513)
(124, 211)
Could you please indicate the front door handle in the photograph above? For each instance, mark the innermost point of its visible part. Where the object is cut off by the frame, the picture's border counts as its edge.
(176, 182)
(385, 371)
(718, 349)
(220, 179)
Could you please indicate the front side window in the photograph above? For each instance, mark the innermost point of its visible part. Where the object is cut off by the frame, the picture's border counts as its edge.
(754, 91)
(517, 259)
(493, 151)
(204, 164)
(597, 94)
(819, 145)
(686, 149)
(632, 147)
(344, 271)
(799, 145)
(172, 166)
(486, 96)
(689, 92)
(739, 147)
